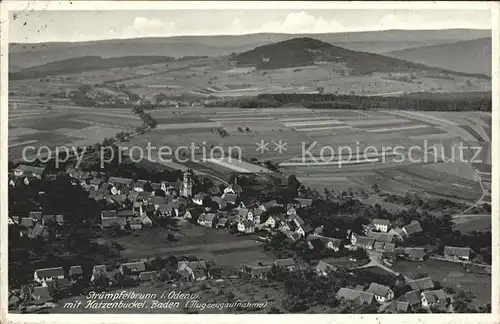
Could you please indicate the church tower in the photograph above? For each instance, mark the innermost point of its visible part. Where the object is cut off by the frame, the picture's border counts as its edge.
(187, 184)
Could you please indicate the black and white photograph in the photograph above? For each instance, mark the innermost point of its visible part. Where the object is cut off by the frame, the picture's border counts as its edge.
(249, 159)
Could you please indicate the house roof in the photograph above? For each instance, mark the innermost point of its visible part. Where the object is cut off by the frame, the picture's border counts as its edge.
(235, 187)
(304, 201)
(119, 198)
(49, 219)
(30, 169)
(136, 266)
(36, 230)
(110, 221)
(148, 275)
(182, 265)
(207, 217)
(140, 183)
(27, 222)
(41, 292)
(222, 221)
(413, 297)
(382, 237)
(270, 204)
(352, 294)
(459, 251)
(398, 306)
(229, 197)
(364, 241)
(133, 195)
(49, 272)
(434, 296)
(421, 284)
(285, 262)
(99, 268)
(378, 289)
(389, 247)
(324, 266)
(200, 196)
(75, 270)
(125, 213)
(378, 245)
(96, 181)
(108, 213)
(413, 228)
(143, 194)
(325, 239)
(35, 215)
(248, 202)
(260, 270)
(243, 211)
(118, 180)
(380, 221)
(194, 212)
(414, 252)
(157, 200)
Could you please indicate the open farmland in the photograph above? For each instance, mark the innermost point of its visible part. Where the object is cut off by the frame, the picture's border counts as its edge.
(455, 275)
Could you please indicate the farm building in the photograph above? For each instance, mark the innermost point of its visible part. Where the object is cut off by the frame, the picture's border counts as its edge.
(323, 268)
(285, 263)
(148, 276)
(456, 253)
(355, 295)
(421, 284)
(413, 298)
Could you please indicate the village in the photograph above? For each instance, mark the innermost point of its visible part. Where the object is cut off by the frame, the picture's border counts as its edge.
(140, 204)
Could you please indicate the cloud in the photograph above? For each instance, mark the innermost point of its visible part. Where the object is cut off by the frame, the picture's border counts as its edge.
(145, 27)
(416, 20)
(302, 22)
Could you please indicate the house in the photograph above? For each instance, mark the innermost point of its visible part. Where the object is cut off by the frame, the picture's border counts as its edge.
(167, 210)
(199, 198)
(456, 253)
(36, 231)
(146, 221)
(36, 216)
(191, 269)
(139, 185)
(246, 226)
(268, 205)
(433, 298)
(222, 222)
(397, 306)
(291, 211)
(112, 221)
(48, 274)
(421, 284)
(127, 213)
(75, 272)
(27, 222)
(221, 203)
(135, 224)
(41, 293)
(362, 241)
(233, 189)
(360, 296)
(206, 219)
(412, 228)
(381, 225)
(95, 183)
(380, 237)
(285, 263)
(413, 298)
(118, 198)
(215, 273)
(378, 246)
(117, 181)
(192, 214)
(260, 272)
(415, 254)
(49, 220)
(382, 293)
(304, 202)
(150, 276)
(247, 203)
(330, 242)
(324, 268)
(274, 221)
(132, 268)
(108, 214)
(29, 171)
(230, 198)
(98, 270)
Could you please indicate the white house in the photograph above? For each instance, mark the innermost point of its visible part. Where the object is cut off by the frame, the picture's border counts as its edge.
(206, 219)
(48, 274)
(433, 298)
(381, 224)
(382, 293)
(246, 226)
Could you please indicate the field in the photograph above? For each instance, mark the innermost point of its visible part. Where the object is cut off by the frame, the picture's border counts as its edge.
(452, 274)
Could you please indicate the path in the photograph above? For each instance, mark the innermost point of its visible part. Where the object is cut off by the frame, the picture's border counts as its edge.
(480, 200)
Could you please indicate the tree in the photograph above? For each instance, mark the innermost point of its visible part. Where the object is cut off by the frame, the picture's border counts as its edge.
(293, 182)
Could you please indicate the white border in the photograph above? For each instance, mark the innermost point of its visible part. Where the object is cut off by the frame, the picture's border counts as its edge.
(7, 6)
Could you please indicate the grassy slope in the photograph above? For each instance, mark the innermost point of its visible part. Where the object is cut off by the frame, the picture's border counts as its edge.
(476, 53)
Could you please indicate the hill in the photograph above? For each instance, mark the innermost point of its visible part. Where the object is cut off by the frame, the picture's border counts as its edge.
(86, 63)
(472, 56)
(33, 54)
(308, 51)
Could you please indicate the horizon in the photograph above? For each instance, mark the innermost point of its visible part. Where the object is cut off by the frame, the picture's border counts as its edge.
(250, 34)
(30, 27)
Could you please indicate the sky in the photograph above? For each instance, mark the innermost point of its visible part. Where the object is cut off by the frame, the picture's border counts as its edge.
(72, 26)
